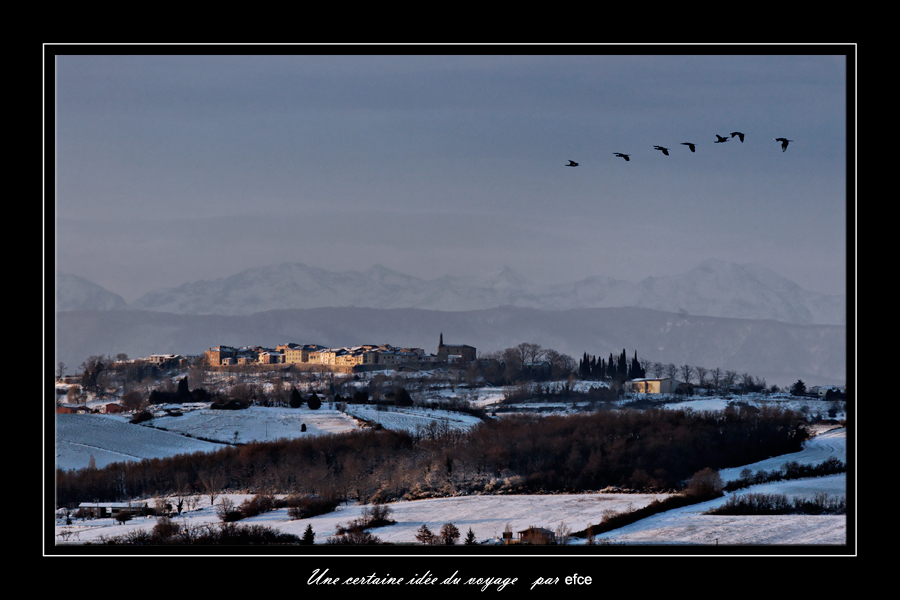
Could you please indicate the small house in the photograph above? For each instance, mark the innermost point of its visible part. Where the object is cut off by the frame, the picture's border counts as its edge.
(533, 535)
(661, 385)
(537, 536)
(111, 509)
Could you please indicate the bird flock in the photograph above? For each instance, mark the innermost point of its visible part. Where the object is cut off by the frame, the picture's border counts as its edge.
(720, 139)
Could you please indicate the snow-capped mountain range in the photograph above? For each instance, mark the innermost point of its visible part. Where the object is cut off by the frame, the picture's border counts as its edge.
(714, 288)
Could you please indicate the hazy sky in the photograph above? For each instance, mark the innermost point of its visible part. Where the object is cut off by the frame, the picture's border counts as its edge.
(172, 169)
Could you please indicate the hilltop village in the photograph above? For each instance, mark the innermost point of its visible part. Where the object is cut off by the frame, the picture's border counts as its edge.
(345, 359)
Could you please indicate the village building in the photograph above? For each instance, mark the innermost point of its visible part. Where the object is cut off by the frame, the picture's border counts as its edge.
(346, 359)
(454, 353)
(298, 353)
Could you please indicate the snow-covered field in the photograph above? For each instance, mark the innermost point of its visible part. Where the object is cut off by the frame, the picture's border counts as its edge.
(488, 516)
(110, 438)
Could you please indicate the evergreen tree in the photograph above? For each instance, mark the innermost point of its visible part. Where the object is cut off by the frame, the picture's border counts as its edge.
(313, 402)
(402, 398)
(622, 367)
(296, 400)
(182, 394)
(470, 538)
(636, 371)
(611, 367)
(309, 536)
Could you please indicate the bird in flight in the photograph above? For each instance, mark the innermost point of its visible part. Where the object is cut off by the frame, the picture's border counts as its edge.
(572, 163)
(721, 139)
(689, 145)
(663, 150)
(739, 134)
(784, 143)
(625, 156)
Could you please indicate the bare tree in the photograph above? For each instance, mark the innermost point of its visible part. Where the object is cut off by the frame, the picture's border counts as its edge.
(449, 534)
(671, 370)
(701, 375)
(213, 482)
(716, 377)
(531, 353)
(746, 381)
(132, 400)
(730, 378)
(425, 536)
(687, 373)
(563, 533)
(561, 365)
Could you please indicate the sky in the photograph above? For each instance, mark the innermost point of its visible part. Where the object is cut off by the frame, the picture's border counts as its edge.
(173, 168)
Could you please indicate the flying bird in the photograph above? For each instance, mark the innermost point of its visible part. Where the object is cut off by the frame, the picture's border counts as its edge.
(739, 134)
(625, 156)
(572, 163)
(663, 150)
(721, 139)
(689, 145)
(784, 143)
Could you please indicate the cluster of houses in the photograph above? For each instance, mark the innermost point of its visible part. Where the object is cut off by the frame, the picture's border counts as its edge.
(348, 358)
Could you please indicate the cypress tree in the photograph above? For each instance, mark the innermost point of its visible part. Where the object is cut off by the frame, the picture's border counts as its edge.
(182, 394)
(296, 399)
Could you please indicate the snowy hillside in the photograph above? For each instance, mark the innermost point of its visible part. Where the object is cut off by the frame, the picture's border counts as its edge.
(487, 516)
(111, 438)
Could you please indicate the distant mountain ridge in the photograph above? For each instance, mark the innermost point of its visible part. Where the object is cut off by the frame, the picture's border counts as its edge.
(714, 288)
(78, 293)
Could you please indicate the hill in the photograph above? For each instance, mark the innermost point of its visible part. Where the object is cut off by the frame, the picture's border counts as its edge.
(777, 351)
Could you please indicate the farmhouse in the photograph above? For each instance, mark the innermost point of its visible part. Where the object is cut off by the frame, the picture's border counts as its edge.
(663, 385)
(532, 535)
(111, 509)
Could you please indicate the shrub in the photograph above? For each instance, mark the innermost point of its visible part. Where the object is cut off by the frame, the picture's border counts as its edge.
(227, 512)
(304, 507)
(706, 483)
(377, 515)
(260, 503)
(780, 504)
(354, 536)
(140, 417)
(165, 529)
